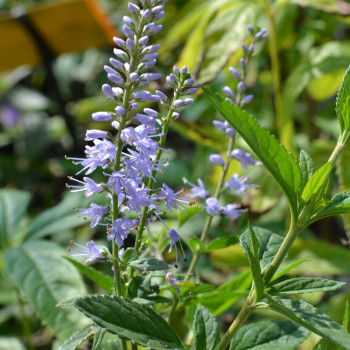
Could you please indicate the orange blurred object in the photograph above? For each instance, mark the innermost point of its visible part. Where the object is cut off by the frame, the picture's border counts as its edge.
(64, 26)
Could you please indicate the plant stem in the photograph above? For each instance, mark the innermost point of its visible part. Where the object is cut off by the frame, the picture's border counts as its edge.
(125, 347)
(25, 321)
(238, 321)
(217, 194)
(281, 254)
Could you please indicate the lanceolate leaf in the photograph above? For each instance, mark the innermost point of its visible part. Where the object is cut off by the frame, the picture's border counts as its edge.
(222, 242)
(315, 183)
(342, 100)
(269, 243)
(40, 272)
(205, 330)
(129, 320)
(149, 264)
(287, 268)
(306, 165)
(304, 285)
(274, 156)
(269, 335)
(13, 205)
(96, 276)
(339, 204)
(312, 319)
(78, 338)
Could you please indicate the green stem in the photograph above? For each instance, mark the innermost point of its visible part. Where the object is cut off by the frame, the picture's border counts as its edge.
(124, 345)
(25, 321)
(217, 194)
(281, 254)
(239, 320)
(159, 153)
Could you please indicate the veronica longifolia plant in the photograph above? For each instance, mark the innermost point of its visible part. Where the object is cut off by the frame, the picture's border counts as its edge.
(131, 157)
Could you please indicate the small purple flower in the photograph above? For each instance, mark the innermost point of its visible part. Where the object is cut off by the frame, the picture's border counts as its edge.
(175, 237)
(171, 198)
(170, 277)
(95, 211)
(120, 230)
(243, 62)
(198, 191)
(235, 73)
(228, 91)
(95, 134)
(212, 206)
(241, 86)
(237, 183)
(101, 116)
(220, 125)
(120, 110)
(247, 99)
(216, 159)
(90, 250)
(244, 158)
(232, 211)
(89, 186)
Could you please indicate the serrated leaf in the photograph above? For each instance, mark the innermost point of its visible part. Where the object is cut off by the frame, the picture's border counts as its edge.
(323, 344)
(13, 205)
(254, 242)
(286, 269)
(274, 156)
(220, 243)
(304, 285)
(205, 329)
(342, 108)
(315, 183)
(312, 319)
(269, 335)
(149, 264)
(129, 320)
(129, 255)
(46, 278)
(96, 276)
(256, 271)
(78, 338)
(269, 244)
(56, 219)
(306, 165)
(339, 204)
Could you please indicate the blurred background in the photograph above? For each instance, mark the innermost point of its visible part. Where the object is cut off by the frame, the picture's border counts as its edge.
(51, 73)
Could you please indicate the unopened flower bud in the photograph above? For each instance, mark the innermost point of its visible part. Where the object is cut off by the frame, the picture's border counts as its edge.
(216, 159)
(119, 42)
(120, 110)
(133, 8)
(228, 91)
(130, 44)
(178, 103)
(184, 70)
(101, 116)
(241, 86)
(115, 63)
(144, 40)
(247, 99)
(133, 77)
(242, 62)
(235, 73)
(127, 31)
(161, 95)
(176, 70)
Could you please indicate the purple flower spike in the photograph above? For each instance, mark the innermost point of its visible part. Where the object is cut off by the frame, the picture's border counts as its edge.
(216, 159)
(237, 183)
(175, 237)
(235, 73)
(95, 211)
(244, 158)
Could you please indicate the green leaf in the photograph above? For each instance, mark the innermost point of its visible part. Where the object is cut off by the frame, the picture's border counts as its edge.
(149, 264)
(254, 243)
(183, 217)
(346, 316)
(57, 219)
(222, 242)
(196, 244)
(256, 271)
(339, 204)
(287, 268)
(98, 338)
(269, 335)
(96, 276)
(274, 156)
(304, 285)
(13, 205)
(323, 344)
(306, 165)
(46, 278)
(205, 329)
(312, 319)
(269, 244)
(129, 320)
(129, 255)
(342, 107)
(78, 338)
(315, 183)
